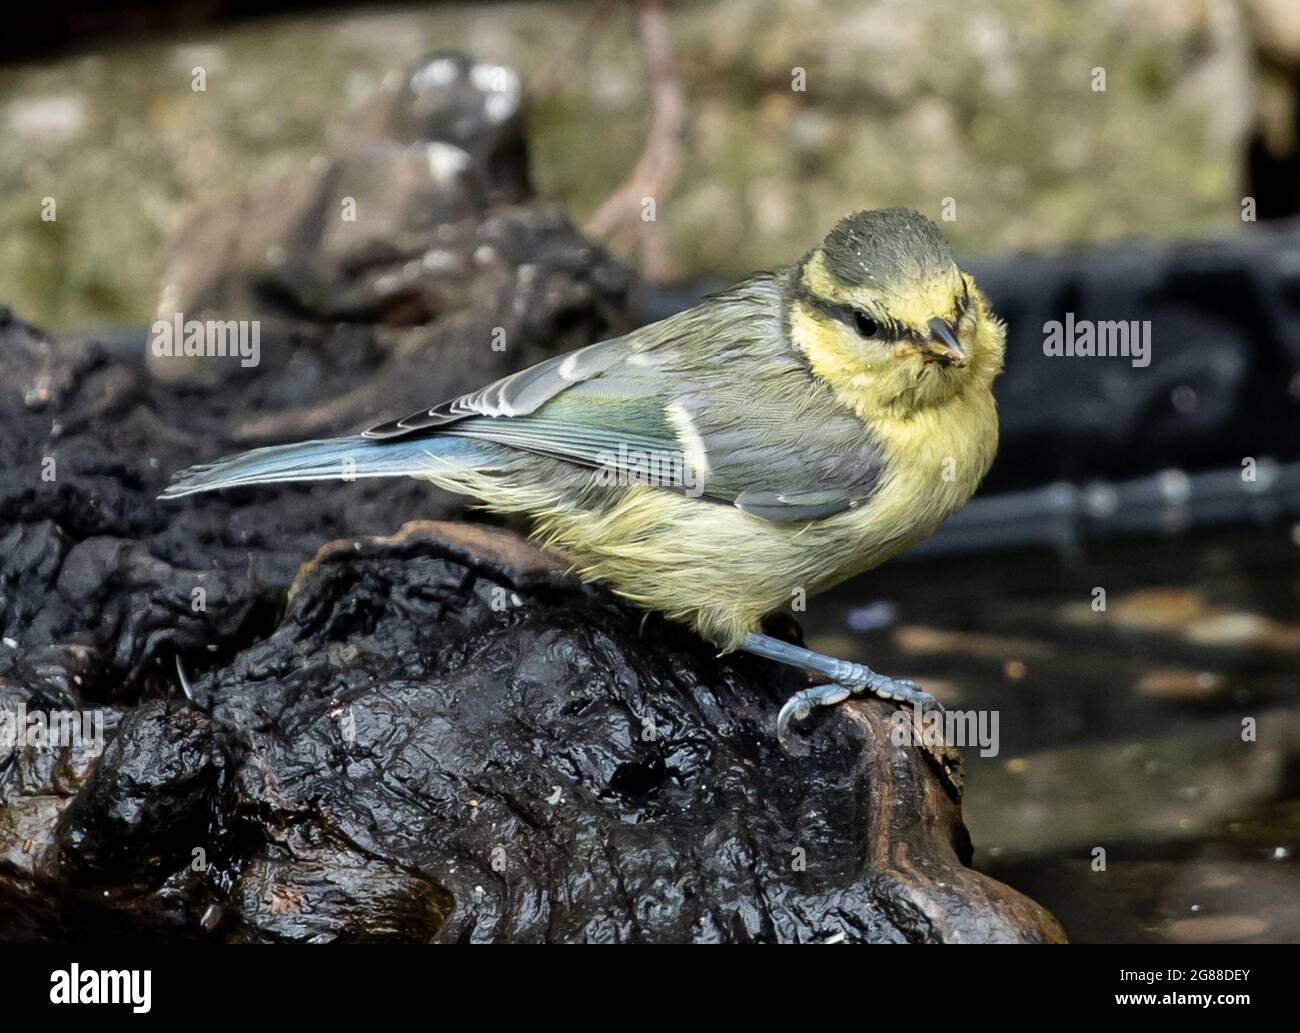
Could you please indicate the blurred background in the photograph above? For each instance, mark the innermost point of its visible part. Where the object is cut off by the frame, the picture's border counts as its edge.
(989, 102)
(1118, 159)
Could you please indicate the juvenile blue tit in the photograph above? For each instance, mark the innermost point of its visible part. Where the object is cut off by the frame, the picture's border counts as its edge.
(793, 431)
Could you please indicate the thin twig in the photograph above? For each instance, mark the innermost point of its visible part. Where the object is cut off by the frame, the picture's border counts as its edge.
(656, 170)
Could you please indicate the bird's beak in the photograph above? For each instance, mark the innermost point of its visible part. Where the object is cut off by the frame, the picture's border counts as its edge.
(943, 345)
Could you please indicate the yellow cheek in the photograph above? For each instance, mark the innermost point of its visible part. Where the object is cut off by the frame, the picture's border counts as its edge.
(865, 376)
(830, 354)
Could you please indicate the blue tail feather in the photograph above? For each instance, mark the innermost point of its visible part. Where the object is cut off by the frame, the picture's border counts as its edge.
(332, 459)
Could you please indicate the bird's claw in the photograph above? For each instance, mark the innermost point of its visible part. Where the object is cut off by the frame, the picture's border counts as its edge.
(801, 705)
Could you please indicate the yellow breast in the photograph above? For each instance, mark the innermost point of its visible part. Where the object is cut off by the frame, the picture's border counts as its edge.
(934, 460)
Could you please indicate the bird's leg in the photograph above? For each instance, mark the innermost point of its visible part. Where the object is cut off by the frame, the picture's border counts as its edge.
(847, 679)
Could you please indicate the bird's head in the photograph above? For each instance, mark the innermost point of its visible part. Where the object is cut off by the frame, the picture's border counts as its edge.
(883, 315)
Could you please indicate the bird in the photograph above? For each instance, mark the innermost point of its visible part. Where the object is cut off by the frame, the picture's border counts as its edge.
(781, 436)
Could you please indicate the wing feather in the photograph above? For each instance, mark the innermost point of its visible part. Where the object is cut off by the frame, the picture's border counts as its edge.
(730, 398)
(516, 395)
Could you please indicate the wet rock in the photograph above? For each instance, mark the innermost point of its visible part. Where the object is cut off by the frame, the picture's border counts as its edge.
(446, 738)
(145, 793)
(326, 892)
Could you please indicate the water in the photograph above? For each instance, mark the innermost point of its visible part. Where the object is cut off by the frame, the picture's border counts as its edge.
(1147, 785)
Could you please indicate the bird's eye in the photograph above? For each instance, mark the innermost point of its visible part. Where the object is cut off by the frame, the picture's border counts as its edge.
(864, 324)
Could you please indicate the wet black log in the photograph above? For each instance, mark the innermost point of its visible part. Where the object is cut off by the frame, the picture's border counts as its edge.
(444, 738)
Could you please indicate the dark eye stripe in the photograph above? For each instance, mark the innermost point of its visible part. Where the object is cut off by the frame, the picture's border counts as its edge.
(845, 314)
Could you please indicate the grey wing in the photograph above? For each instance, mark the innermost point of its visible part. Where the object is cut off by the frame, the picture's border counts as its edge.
(757, 431)
(516, 395)
(797, 463)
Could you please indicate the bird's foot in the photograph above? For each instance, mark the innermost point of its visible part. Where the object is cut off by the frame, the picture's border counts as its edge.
(899, 690)
(846, 679)
(799, 706)
(855, 680)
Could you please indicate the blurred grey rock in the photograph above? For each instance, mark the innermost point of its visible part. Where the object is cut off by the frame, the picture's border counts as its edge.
(420, 215)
